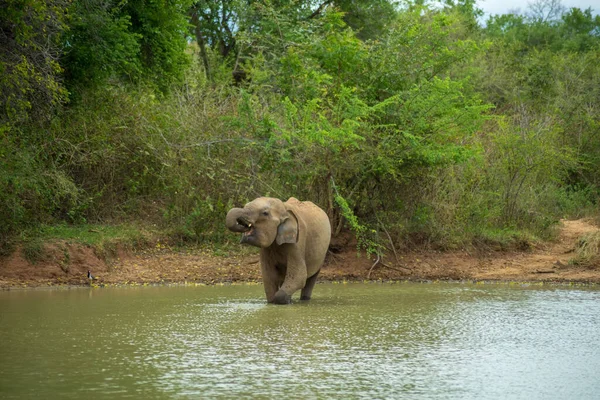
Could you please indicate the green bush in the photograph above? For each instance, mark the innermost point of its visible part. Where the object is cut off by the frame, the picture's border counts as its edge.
(435, 131)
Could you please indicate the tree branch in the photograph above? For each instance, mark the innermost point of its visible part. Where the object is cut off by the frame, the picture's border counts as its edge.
(389, 238)
(320, 9)
(201, 42)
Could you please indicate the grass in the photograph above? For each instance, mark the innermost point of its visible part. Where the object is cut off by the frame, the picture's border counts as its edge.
(504, 239)
(89, 234)
(33, 251)
(104, 239)
(587, 251)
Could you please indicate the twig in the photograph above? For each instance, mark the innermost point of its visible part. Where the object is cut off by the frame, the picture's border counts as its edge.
(340, 225)
(389, 238)
(333, 184)
(237, 58)
(338, 229)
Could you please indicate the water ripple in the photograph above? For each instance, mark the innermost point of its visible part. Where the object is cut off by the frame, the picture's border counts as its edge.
(351, 341)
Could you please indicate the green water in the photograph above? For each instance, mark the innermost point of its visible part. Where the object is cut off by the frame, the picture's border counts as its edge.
(415, 341)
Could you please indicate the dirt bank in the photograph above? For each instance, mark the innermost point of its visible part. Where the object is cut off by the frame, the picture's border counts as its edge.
(67, 264)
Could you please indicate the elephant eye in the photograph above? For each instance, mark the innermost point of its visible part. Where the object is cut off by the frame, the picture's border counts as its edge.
(265, 213)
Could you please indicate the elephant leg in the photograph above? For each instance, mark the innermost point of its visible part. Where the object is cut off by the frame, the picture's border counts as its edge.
(295, 280)
(271, 279)
(289, 287)
(308, 288)
(281, 297)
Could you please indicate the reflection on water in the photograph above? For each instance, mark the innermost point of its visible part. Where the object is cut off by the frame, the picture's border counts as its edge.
(434, 341)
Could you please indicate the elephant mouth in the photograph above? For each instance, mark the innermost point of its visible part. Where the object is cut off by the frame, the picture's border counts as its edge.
(248, 231)
(244, 222)
(247, 225)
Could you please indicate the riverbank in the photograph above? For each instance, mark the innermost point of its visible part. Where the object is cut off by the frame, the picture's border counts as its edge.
(65, 263)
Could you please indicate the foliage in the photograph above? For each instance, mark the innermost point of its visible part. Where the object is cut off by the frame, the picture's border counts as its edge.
(33, 251)
(587, 252)
(366, 238)
(93, 235)
(161, 26)
(30, 193)
(100, 43)
(435, 129)
(548, 26)
(129, 41)
(369, 19)
(30, 73)
(525, 156)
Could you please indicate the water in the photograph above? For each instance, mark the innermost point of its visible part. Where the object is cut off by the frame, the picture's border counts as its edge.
(417, 341)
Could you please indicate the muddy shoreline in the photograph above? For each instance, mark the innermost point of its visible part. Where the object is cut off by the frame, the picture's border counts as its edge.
(66, 265)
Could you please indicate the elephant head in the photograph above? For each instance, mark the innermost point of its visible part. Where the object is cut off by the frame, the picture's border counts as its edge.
(264, 221)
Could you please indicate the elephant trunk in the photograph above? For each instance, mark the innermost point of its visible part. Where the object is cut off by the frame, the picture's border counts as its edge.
(237, 220)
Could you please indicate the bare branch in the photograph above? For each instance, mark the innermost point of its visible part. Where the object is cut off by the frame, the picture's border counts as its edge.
(389, 238)
(320, 9)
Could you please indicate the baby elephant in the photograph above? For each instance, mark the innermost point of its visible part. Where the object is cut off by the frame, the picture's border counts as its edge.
(293, 236)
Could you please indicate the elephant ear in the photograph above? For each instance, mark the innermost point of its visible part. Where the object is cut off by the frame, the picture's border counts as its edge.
(287, 231)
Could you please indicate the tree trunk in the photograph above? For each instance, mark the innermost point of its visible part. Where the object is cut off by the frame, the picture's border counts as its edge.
(201, 43)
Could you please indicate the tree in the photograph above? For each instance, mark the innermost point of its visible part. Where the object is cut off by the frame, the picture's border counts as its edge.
(30, 72)
(162, 26)
(580, 30)
(100, 44)
(545, 11)
(236, 29)
(127, 41)
(369, 19)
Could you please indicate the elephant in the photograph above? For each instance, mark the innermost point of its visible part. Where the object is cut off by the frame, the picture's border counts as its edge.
(293, 237)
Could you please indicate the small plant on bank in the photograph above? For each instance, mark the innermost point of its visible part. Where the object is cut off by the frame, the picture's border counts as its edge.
(33, 251)
(367, 238)
(588, 251)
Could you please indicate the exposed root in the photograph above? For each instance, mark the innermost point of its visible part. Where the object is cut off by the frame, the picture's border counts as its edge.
(373, 266)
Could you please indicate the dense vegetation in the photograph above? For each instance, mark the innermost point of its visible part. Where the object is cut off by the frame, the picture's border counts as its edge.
(410, 124)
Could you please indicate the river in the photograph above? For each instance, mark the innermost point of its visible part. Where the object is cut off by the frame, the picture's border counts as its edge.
(356, 340)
